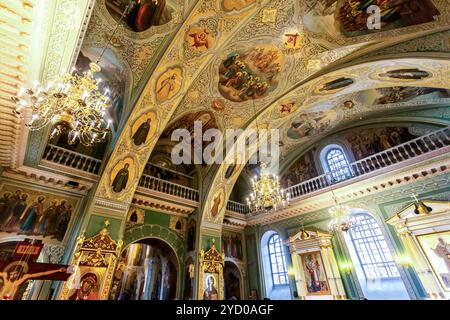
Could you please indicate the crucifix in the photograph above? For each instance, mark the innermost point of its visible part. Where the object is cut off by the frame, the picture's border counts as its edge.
(414, 196)
(23, 267)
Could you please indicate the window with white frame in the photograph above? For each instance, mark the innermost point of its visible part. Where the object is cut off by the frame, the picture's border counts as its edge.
(277, 261)
(337, 164)
(372, 250)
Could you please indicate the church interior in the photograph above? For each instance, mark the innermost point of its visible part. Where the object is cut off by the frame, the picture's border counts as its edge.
(119, 179)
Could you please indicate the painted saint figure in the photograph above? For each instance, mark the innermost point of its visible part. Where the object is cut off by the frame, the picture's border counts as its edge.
(337, 84)
(406, 74)
(210, 292)
(215, 207)
(121, 179)
(88, 289)
(33, 216)
(313, 270)
(442, 250)
(140, 136)
(167, 86)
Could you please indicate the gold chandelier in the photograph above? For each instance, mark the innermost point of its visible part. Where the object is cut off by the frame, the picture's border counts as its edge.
(267, 195)
(72, 105)
(341, 219)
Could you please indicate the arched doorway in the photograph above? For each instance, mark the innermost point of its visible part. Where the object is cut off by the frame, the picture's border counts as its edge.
(232, 281)
(273, 259)
(374, 263)
(147, 270)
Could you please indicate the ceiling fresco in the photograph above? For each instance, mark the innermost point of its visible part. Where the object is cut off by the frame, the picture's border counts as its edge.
(293, 61)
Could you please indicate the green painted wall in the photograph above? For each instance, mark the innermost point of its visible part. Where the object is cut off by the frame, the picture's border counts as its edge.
(159, 218)
(207, 241)
(96, 223)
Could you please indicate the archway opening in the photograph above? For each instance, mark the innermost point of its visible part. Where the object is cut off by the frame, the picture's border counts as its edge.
(147, 270)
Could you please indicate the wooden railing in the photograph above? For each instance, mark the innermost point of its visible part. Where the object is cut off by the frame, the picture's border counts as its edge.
(405, 151)
(177, 190)
(71, 159)
(237, 207)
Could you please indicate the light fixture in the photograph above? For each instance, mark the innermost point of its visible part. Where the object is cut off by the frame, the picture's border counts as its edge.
(266, 193)
(341, 219)
(72, 104)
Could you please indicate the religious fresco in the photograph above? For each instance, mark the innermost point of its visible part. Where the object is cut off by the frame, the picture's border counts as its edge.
(336, 85)
(168, 84)
(36, 214)
(216, 204)
(349, 18)
(436, 247)
(250, 74)
(113, 79)
(405, 74)
(370, 141)
(135, 217)
(140, 15)
(144, 128)
(230, 5)
(200, 38)
(232, 245)
(311, 124)
(400, 94)
(301, 170)
(122, 175)
(315, 276)
(287, 107)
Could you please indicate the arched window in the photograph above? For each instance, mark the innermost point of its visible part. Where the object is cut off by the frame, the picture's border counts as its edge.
(336, 163)
(374, 264)
(373, 253)
(277, 264)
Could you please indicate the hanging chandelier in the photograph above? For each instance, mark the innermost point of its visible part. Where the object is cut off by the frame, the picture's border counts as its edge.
(341, 219)
(267, 195)
(73, 104)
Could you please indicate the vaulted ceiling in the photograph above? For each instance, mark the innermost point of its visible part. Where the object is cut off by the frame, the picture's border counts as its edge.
(294, 62)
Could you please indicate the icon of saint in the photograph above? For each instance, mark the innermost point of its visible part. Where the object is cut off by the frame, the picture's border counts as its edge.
(140, 136)
(210, 292)
(121, 179)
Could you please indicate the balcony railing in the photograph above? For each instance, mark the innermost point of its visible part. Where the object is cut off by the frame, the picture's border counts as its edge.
(167, 187)
(71, 159)
(237, 207)
(408, 150)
